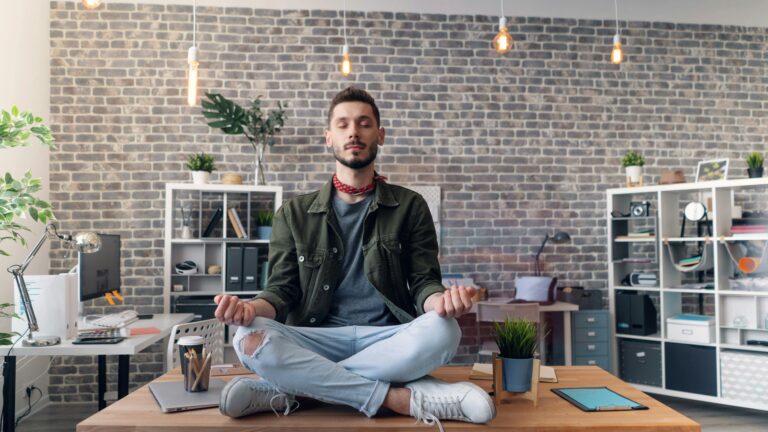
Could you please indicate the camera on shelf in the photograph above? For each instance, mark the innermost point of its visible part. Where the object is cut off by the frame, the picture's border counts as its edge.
(640, 208)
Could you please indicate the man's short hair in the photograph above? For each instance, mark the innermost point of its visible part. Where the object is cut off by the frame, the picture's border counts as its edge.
(352, 94)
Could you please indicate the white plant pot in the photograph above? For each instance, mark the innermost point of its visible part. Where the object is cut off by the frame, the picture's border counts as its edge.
(634, 174)
(201, 177)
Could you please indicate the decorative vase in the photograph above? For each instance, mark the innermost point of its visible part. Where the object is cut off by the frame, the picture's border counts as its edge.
(201, 177)
(264, 232)
(755, 172)
(634, 175)
(186, 232)
(259, 177)
(516, 374)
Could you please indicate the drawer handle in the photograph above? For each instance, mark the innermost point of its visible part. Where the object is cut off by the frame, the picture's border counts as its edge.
(591, 319)
(592, 334)
(640, 354)
(591, 347)
(687, 331)
(591, 362)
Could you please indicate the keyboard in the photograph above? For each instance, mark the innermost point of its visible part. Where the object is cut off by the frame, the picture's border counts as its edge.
(103, 334)
(119, 319)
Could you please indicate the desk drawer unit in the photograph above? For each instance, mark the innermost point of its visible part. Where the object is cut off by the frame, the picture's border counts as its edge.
(591, 339)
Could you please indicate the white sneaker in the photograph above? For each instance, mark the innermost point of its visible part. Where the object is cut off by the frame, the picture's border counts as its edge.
(243, 396)
(433, 399)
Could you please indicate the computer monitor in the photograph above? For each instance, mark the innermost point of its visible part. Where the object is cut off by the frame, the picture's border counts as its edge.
(100, 271)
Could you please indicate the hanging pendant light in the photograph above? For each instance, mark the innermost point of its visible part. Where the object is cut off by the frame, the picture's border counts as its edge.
(192, 62)
(91, 4)
(502, 43)
(617, 54)
(346, 64)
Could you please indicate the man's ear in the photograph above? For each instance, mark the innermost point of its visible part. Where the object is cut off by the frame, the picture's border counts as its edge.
(328, 141)
(382, 134)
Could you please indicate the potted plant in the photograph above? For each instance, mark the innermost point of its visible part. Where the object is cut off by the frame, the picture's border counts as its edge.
(17, 196)
(517, 341)
(264, 224)
(755, 165)
(633, 164)
(201, 165)
(259, 127)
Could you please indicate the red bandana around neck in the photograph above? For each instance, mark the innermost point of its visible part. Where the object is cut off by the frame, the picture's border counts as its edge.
(341, 187)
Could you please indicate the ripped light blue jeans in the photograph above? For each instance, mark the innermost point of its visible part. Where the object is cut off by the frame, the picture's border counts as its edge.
(351, 365)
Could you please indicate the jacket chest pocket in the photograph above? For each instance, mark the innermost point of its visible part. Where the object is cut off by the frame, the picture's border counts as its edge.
(392, 251)
(310, 265)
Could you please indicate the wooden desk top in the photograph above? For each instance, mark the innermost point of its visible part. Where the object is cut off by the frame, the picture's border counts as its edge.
(139, 412)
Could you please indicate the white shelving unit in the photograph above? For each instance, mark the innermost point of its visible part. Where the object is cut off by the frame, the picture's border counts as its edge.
(205, 251)
(736, 381)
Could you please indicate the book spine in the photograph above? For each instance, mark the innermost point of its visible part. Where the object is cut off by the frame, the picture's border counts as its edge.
(233, 220)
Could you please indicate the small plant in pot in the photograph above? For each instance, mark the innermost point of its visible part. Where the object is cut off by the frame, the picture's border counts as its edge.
(517, 341)
(201, 165)
(755, 165)
(264, 224)
(633, 164)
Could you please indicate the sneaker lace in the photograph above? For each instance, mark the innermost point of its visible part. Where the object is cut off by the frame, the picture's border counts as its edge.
(430, 409)
(289, 406)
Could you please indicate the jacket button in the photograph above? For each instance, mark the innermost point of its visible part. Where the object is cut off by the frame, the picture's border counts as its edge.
(335, 250)
(312, 320)
(326, 287)
(301, 258)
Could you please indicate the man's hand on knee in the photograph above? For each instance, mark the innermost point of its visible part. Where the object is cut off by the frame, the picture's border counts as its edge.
(451, 303)
(233, 311)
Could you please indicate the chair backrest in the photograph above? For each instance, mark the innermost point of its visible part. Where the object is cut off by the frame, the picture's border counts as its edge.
(211, 330)
(494, 311)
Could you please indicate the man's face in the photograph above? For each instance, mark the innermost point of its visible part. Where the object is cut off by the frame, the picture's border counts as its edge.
(353, 134)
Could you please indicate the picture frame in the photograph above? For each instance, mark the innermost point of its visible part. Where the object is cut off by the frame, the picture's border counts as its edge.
(710, 170)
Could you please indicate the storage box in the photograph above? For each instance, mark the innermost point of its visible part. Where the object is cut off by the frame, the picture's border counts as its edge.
(691, 328)
(640, 362)
(691, 368)
(744, 377)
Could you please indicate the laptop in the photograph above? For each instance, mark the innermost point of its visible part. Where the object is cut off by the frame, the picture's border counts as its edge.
(172, 397)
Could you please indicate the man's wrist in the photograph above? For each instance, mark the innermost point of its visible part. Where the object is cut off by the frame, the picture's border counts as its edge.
(429, 303)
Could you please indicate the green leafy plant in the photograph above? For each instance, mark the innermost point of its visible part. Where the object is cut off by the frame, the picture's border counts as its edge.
(633, 158)
(201, 162)
(17, 196)
(5, 338)
(264, 217)
(258, 126)
(755, 160)
(516, 338)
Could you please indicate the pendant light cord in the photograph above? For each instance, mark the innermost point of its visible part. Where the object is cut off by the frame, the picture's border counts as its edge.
(345, 21)
(616, 9)
(502, 7)
(194, 23)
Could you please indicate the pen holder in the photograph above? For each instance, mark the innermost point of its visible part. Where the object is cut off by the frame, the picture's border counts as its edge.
(198, 373)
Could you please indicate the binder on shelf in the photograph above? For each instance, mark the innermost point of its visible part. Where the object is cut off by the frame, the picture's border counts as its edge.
(237, 226)
(234, 275)
(212, 224)
(250, 268)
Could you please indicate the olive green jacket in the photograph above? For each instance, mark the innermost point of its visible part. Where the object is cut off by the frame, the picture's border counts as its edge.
(306, 251)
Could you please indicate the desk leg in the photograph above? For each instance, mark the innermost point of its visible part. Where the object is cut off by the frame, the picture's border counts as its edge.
(123, 361)
(102, 377)
(9, 394)
(567, 336)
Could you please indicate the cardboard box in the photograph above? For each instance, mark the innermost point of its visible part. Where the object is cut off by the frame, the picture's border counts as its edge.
(691, 328)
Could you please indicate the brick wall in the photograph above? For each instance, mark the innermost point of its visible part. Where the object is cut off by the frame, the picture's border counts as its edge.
(521, 144)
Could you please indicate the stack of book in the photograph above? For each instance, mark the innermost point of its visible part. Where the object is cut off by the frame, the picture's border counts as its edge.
(237, 226)
(690, 262)
(748, 230)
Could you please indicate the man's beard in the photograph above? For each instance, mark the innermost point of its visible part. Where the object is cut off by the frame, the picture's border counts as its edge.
(373, 150)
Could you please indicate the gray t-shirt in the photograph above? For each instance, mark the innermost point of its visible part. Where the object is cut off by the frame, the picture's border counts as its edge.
(355, 301)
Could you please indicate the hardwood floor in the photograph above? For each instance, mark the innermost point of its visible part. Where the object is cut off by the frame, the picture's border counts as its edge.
(713, 418)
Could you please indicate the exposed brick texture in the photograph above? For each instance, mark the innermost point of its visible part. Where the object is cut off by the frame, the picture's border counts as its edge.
(521, 144)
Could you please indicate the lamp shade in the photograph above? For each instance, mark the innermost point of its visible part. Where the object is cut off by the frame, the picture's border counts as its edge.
(561, 237)
(86, 242)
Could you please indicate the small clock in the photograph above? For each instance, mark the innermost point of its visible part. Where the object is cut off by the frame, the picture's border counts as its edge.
(695, 211)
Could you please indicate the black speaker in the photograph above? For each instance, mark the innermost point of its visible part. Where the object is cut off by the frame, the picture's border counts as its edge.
(635, 314)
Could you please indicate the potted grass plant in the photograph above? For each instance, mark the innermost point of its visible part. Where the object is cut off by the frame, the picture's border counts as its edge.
(633, 165)
(755, 165)
(517, 341)
(264, 224)
(201, 165)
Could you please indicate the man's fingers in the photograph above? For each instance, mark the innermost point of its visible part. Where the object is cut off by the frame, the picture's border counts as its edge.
(249, 313)
(238, 317)
(439, 306)
(221, 308)
(230, 313)
(217, 298)
(448, 303)
(466, 298)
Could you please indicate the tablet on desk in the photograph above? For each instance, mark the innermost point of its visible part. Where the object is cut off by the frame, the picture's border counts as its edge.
(598, 399)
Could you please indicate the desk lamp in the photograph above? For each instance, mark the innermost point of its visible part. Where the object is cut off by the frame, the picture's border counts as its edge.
(559, 237)
(85, 242)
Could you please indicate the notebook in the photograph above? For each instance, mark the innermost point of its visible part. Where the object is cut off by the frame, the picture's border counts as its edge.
(598, 399)
(172, 397)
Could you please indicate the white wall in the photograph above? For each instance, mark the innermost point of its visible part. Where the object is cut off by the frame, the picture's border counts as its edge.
(24, 81)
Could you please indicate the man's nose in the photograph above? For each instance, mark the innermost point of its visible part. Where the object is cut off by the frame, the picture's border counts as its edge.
(352, 132)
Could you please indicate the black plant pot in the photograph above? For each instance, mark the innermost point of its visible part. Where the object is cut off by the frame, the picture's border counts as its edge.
(755, 172)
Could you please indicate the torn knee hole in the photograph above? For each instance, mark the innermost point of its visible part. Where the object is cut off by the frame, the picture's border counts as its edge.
(250, 343)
